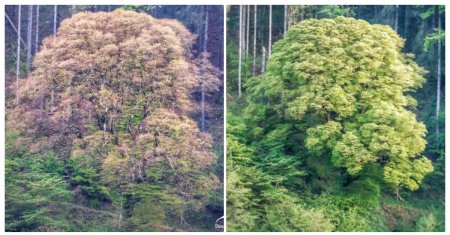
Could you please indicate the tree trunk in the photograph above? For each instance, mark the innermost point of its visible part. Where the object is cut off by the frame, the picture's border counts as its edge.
(55, 13)
(29, 35)
(438, 88)
(120, 216)
(240, 50)
(406, 21)
(396, 18)
(248, 32)
(18, 56)
(285, 19)
(36, 43)
(263, 60)
(270, 30)
(399, 197)
(205, 43)
(254, 41)
(244, 26)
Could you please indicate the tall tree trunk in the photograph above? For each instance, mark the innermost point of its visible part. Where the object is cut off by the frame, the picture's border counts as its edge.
(244, 26)
(205, 43)
(263, 60)
(55, 13)
(55, 20)
(438, 88)
(375, 12)
(29, 35)
(240, 50)
(406, 21)
(36, 43)
(248, 32)
(254, 40)
(270, 30)
(396, 18)
(285, 19)
(18, 55)
(119, 224)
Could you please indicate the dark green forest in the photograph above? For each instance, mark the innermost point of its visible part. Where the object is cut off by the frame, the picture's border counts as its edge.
(114, 118)
(335, 118)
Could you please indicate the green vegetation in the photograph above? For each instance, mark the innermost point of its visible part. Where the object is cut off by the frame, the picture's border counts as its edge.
(330, 137)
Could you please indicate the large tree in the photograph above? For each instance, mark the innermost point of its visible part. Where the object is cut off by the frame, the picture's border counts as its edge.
(341, 87)
(113, 92)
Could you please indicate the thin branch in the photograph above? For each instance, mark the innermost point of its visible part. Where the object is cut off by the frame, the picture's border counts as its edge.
(15, 29)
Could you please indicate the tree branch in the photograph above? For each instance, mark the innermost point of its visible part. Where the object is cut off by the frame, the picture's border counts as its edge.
(15, 29)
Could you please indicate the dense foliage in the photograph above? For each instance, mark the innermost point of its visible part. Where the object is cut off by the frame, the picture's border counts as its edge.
(103, 139)
(331, 132)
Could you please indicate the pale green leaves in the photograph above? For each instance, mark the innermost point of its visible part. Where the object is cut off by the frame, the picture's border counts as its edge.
(344, 83)
(323, 136)
(351, 154)
(406, 173)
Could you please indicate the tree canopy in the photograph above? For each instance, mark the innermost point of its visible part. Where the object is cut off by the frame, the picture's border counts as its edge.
(346, 84)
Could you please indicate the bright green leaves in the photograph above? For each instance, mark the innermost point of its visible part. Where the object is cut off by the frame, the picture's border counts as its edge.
(299, 106)
(344, 83)
(433, 38)
(296, 217)
(407, 173)
(323, 136)
(351, 154)
(340, 102)
(36, 192)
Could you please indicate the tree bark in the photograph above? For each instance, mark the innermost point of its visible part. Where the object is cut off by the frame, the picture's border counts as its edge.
(55, 13)
(438, 88)
(205, 43)
(254, 40)
(36, 43)
(18, 56)
(270, 30)
(29, 35)
(263, 60)
(406, 21)
(248, 32)
(120, 215)
(244, 21)
(285, 19)
(240, 51)
(396, 18)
